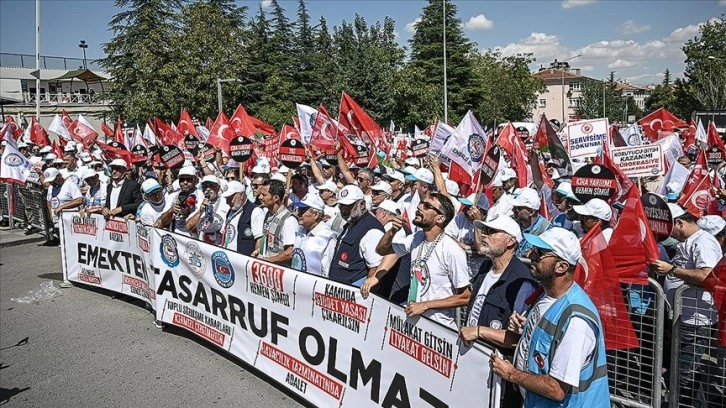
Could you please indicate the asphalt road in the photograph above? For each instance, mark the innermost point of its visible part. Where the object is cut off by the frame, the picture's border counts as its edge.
(84, 349)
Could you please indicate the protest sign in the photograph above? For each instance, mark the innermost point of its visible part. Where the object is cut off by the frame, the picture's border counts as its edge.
(639, 161)
(658, 214)
(292, 153)
(420, 148)
(586, 138)
(489, 165)
(240, 149)
(594, 181)
(171, 156)
(715, 155)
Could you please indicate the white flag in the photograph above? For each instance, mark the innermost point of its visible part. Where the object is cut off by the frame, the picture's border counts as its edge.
(466, 145)
(149, 135)
(57, 127)
(441, 134)
(676, 173)
(83, 120)
(701, 135)
(306, 115)
(632, 135)
(15, 167)
(203, 133)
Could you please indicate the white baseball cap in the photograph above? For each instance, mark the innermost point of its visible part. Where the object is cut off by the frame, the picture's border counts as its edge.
(391, 207)
(408, 170)
(22, 144)
(50, 174)
(311, 200)
(595, 208)
(383, 186)
(423, 175)
(507, 174)
(262, 168)
(45, 149)
(58, 161)
(502, 223)
(119, 163)
(395, 175)
(188, 171)
(233, 187)
(279, 177)
(560, 241)
(713, 224)
(452, 187)
(87, 173)
(330, 186)
(50, 157)
(676, 210)
(528, 198)
(150, 185)
(412, 161)
(483, 202)
(350, 194)
(565, 190)
(69, 148)
(210, 178)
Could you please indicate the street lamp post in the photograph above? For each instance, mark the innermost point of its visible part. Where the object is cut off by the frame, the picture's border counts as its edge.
(562, 70)
(219, 90)
(83, 46)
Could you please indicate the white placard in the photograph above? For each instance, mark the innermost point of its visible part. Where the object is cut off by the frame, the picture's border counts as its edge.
(639, 161)
(586, 137)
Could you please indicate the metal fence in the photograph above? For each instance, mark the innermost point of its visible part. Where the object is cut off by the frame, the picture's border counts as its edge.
(636, 374)
(24, 206)
(697, 362)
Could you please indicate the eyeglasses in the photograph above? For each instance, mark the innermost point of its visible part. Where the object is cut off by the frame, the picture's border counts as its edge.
(362, 179)
(118, 169)
(231, 178)
(538, 254)
(428, 206)
(206, 186)
(378, 192)
(186, 179)
(255, 185)
(489, 231)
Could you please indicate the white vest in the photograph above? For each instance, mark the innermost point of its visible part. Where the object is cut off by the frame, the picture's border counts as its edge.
(309, 249)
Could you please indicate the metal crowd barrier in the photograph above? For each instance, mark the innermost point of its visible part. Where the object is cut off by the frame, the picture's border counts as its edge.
(698, 363)
(635, 375)
(24, 205)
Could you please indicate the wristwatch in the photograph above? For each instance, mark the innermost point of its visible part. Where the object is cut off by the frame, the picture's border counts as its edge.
(672, 272)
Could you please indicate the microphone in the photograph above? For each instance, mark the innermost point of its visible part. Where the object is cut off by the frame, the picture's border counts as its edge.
(207, 194)
(191, 200)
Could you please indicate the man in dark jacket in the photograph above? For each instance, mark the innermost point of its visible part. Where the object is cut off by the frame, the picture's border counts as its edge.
(501, 287)
(123, 195)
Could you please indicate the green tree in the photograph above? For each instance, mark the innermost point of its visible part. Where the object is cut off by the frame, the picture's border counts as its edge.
(210, 45)
(707, 76)
(325, 84)
(595, 94)
(507, 88)
(141, 59)
(416, 102)
(304, 58)
(427, 54)
(685, 99)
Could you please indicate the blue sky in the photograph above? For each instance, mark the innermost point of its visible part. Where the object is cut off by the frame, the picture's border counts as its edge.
(637, 39)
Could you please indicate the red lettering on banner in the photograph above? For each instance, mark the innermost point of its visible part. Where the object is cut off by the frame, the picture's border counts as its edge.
(199, 328)
(593, 182)
(83, 277)
(140, 284)
(307, 373)
(267, 275)
(344, 307)
(423, 354)
(117, 226)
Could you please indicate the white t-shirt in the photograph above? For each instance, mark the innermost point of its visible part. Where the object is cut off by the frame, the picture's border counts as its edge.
(573, 353)
(489, 280)
(462, 230)
(444, 273)
(700, 250)
(149, 213)
(115, 191)
(61, 195)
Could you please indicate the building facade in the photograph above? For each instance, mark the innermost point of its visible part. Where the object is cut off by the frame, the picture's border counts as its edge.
(563, 93)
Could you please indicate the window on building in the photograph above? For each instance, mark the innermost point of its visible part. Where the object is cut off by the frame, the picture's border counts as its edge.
(574, 102)
(574, 86)
(543, 103)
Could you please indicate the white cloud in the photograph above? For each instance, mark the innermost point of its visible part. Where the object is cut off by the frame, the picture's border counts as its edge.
(587, 68)
(266, 3)
(621, 63)
(576, 3)
(722, 3)
(479, 22)
(544, 47)
(411, 27)
(396, 34)
(631, 27)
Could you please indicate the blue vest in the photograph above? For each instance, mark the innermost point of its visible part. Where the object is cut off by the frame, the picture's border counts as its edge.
(592, 392)
(245, 242)
(348, 265)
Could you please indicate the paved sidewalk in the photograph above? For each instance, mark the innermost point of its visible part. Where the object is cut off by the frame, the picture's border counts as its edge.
(12, 237)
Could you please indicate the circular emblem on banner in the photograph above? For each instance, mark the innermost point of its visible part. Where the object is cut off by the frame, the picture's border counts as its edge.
(208, 152)
(223, 270)
(658, 214)
(118, 145)
(634, 140)
(476, 147)
(586, 128)
(292, 153)
(171, 156)
(652, 200)
(191, 143)
(595, 169)
(169, 254)
(13, 160)
(363, 156)
(240, 149)
(140, 150)
(496, 325)
(194, 258)
(298, 260)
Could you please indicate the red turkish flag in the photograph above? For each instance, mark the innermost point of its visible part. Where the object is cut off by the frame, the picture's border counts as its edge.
(118, 134)
(56, 150)
(324, 133)
(107, 131)
(510, 141)
(166, 134)
(713, 137)
(632, 237)
(185, 125)
(715, 283)
(540, 138)
(209, 123)
(660, 123)
(117, 153)
(67, 121)
(82, 133)
(601, 284)
(10, 125)
(38, 135)
(221, 132)
(262, 127)
(288, 132)
(242, 123)
(696, 196)
(355, 118)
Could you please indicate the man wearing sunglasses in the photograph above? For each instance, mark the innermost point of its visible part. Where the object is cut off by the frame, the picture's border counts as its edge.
(439, 273)
(123, 195)
(210, 213)
(560, 347)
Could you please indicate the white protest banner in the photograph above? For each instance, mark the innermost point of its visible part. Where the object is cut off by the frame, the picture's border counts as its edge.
(586, 137)
(672, 148)
(639, 161)
(317, 338)
(111, 254)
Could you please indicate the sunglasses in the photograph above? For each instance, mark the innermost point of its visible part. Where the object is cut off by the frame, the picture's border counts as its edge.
(186, 180)
(378, 192)
(231, 178)
(254, 185)
(428, 206)
(538, 254)
(118, 168)
(206, 186)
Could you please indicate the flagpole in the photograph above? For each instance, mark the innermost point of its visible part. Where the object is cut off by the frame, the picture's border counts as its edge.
(37, 59)
(446, 100)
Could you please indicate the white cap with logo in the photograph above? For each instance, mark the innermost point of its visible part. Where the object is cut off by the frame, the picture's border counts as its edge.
(350, 194)
(527, 197)
(391, 207)
(713, 224)
(330, 186)
(233, 187)
(560, 241)
(595, 208)
(383, 186)
(311, 200)
(150, 185)
(50, 174)
(502, 223)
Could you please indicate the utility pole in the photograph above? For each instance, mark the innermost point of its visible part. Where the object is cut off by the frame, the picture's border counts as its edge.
(446, 98)
(219, 90)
